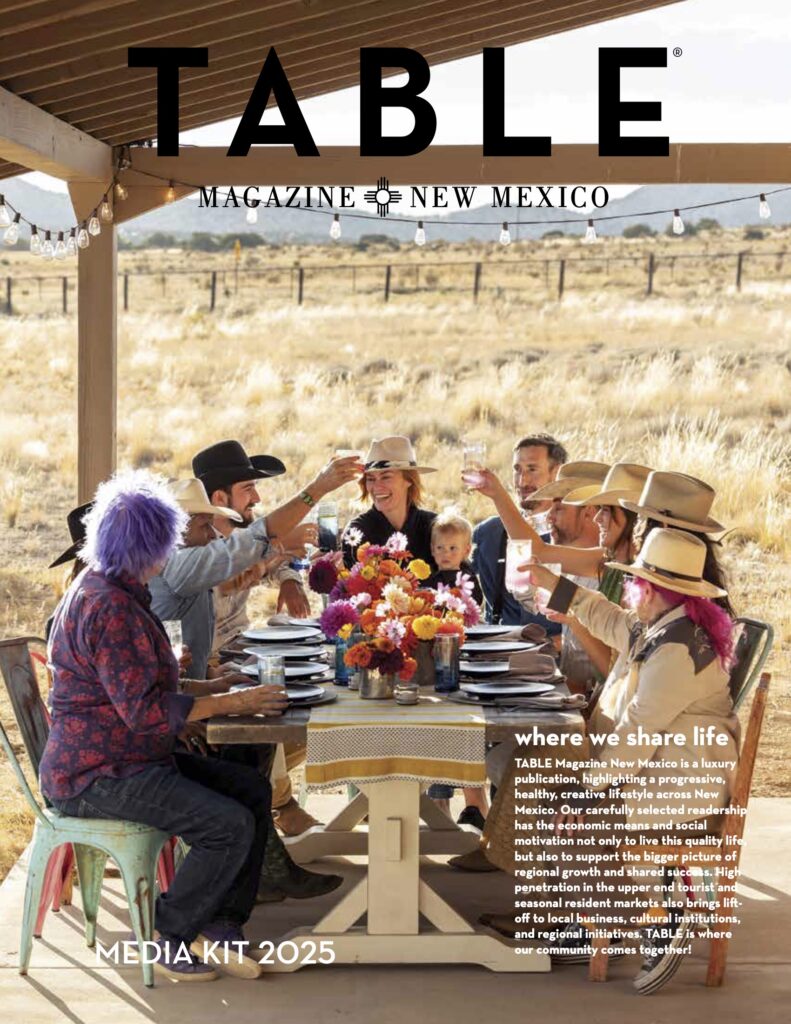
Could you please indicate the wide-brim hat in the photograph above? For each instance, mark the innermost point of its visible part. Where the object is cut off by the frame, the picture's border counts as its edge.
(394, 452)
(74, 521)
(193, 499)
(228, 463)
(572, 476)
(673, 559)
(679, 500)
(624, 481)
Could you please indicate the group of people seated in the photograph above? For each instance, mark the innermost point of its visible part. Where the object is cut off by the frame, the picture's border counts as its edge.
(639, 615)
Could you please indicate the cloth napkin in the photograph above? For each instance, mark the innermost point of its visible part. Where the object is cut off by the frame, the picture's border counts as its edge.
(281, 619)
(531, 665)
(548, 701)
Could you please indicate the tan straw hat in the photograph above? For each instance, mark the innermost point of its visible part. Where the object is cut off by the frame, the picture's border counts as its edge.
(572, 475)
(625, 480)
(673, 559)
(393, 453)
(192, 496)
(677, 500)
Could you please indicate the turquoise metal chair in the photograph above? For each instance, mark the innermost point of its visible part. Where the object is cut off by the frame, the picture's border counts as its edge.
(753, 645)
(135, 849)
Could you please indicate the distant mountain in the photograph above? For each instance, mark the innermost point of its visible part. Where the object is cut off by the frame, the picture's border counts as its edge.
(181, 219)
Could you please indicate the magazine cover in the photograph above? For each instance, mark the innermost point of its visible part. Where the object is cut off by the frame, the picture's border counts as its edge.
(395, 510)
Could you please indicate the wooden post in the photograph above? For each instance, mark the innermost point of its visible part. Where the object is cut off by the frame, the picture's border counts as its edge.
(65, 290)
(476, 283)
(9, 306)
(126, 291)
(651, 267)
(97, 267)
(213, 291)
(387, 282)
(300, 285)
(561, 278)
(739, 268)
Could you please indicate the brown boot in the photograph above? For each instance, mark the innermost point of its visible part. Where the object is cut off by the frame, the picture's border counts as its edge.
(292, 820)
(475, 860)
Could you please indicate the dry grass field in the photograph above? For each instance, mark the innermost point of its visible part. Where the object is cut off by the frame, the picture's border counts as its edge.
(696, 378)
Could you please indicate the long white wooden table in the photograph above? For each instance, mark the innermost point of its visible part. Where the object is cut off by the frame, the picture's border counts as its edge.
(392, 895)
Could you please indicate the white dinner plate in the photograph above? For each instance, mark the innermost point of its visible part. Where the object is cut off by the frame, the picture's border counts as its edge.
(298, 652)
(294, 670)
(496, 646)
(495, 689)
(304, 622)
(483, 668)
(484, 629)
(284, 634)
(297, 694)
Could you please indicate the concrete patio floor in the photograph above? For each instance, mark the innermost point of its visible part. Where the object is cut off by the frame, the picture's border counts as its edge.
(65, 982)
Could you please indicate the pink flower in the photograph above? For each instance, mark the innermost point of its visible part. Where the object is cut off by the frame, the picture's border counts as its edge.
(336, 615)
(396, 543)
(323, 575)
(393, 629)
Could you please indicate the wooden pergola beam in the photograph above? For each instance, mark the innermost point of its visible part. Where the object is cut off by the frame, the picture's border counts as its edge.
(37, 140)
(735, 163)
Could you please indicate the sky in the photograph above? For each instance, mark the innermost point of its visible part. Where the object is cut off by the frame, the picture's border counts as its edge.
(732, 83)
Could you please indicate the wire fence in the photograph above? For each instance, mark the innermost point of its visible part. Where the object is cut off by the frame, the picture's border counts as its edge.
(551, 277)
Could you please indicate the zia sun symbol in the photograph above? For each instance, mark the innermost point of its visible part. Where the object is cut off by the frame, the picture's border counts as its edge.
(382, 196)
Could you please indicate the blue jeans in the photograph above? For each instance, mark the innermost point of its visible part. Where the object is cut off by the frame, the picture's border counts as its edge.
(439, 791)
(220, 809)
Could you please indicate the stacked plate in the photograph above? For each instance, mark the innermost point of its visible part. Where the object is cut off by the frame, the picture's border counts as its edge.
(299, 644)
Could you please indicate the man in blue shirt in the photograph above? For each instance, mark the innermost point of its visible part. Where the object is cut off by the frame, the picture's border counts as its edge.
(537, 459)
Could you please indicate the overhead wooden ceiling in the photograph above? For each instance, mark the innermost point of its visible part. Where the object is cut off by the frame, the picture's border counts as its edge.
(69, 57)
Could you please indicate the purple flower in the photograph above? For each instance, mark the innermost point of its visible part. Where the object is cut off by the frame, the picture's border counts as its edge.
(336, 615)
(323, 575)
(388, 662)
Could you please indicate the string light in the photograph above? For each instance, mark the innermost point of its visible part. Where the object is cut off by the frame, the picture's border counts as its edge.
(83, 238)
(94, 227)
(60, 247)
(335, 227)
(420, 234)
(71, 243)
(5, 216)
(12, 231)
(505, 234)
(590, 233)
(35, 240)
(170, 195)
(252, 215)
(106, 211)
(678, 223)
(121, 191)
(47, 252)
(763, 208)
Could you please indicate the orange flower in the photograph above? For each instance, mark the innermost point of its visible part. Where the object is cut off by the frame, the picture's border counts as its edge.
(369, 620)
(358, 656)
(387, 567)
(409, 669)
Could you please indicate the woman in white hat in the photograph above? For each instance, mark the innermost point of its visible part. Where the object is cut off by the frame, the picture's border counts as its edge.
(665, 718)
(391, 481)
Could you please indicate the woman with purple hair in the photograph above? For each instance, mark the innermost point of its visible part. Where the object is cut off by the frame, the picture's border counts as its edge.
(116, 715)
(664, 720)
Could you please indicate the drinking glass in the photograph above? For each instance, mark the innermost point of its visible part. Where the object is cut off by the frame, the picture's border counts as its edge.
(474, 456)
(446, 662)
(173, 630)
(327, 520)
(272, 670)
(542, 595)
(516, 553)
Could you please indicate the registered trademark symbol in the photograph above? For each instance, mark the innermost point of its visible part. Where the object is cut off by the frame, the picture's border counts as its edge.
(677, 51)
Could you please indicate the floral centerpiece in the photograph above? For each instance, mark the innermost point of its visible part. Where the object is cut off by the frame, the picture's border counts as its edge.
(383, 597)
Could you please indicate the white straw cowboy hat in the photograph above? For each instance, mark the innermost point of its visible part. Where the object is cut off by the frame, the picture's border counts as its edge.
(393, 453)
(676, 499)
(624, 481)
(571, 476)
(673, 559)
(192, 496)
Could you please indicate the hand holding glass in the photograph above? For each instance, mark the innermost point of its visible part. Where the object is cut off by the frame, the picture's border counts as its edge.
(173, 630)
(474, 462)
(517, 579)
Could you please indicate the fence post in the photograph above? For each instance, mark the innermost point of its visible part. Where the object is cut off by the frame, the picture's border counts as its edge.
(561, 278)
(126, 291)
(65, 290)
(476, 283)
(213, 291)
(387, 282)
(651, 266)
(739, 267)
(300, 285)
(9, 306)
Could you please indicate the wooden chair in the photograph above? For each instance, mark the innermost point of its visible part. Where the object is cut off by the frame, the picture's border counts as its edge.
(723, 858)
(753, 644)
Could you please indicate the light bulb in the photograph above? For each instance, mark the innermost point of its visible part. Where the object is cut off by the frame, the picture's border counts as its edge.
(12, 231)
(94, 227)
(83, 238)
(106, 211)
(121, 191)
(35, 241)
(5, 216)
(71, 243)
(252, 215)
(505, 234)
(47, 251)
(763, 208)
(420, 234)
(60, 247)
(170, 195)
(678, 223)
(590, 233)
(335, 228)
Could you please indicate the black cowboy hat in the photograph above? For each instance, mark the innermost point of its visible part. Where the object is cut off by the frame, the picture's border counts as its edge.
(74, 521)
(226, 463)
